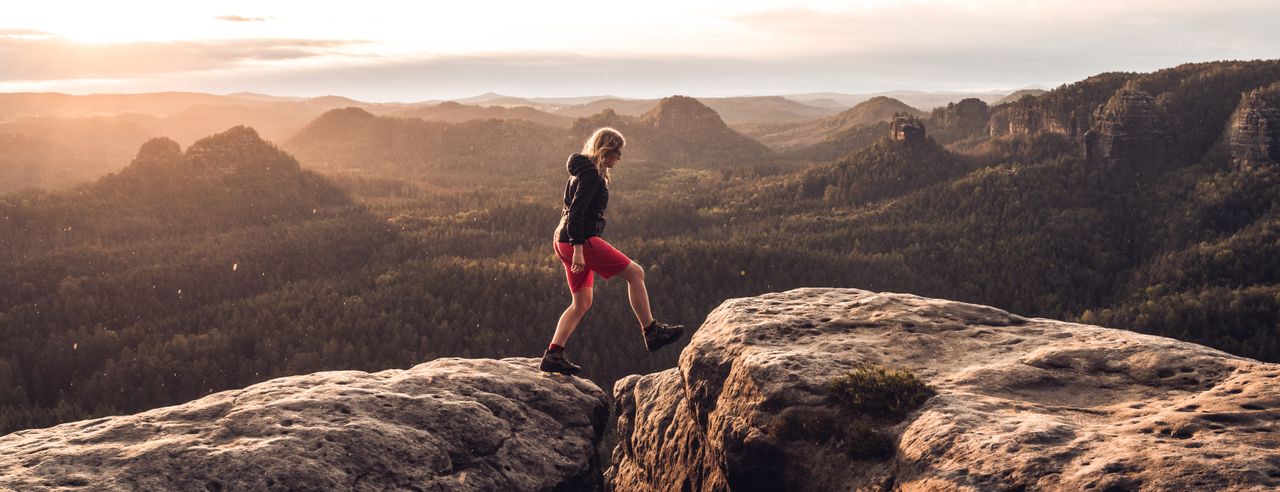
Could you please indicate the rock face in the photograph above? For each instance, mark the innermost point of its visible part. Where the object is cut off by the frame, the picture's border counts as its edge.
(1029, 116)
(1127, 130)
(449, 424)
(1020, 404)
(906, 128)
(1255, 129)
(968, 117)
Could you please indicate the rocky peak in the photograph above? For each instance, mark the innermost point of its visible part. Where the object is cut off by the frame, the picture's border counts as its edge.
(682, 113)
(238, 149)
(1254, 135)
(1127, 130)
(448, 424)
(906, 128)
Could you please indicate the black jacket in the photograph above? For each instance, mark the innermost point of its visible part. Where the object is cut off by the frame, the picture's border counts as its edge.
(585, 198)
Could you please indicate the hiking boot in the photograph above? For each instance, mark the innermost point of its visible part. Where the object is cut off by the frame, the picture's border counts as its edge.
(555, 361)
(658, 335)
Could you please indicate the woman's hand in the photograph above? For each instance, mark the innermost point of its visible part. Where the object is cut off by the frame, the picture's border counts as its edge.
(578, 263)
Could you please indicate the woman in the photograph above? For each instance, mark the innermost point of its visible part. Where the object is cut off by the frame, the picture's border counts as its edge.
(584, 252)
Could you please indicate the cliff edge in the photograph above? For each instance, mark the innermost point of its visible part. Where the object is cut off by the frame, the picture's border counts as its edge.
(769, 396)
(448, 424)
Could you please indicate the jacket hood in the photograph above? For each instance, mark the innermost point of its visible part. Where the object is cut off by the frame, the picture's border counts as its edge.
(579, 163)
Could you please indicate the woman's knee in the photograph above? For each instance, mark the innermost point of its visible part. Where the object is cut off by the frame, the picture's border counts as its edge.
(634, 272)
(582, 300)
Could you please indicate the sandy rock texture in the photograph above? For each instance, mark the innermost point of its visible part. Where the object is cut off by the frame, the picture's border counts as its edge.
(448, 424)
(1020, 404)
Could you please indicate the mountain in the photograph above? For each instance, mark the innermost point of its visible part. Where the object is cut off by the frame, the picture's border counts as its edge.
(837, 127)
(764, 110)
(679, 132)
(885, 169)
(495, 99)
(233, 178)
(452, 112)
(1018, 94)
(628, 107)
(20, 104)
(354, 139)
(78, 150)
(734, 111)
(916, 99)
(331, 101)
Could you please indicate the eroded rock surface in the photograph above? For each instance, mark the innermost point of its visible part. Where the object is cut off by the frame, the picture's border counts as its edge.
(448, 424)
(1128, 130)
(1254, 135)
(1021, 404)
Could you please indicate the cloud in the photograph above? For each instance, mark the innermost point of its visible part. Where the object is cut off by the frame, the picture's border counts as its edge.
(23, 34)
(49, 58)
(237, 18)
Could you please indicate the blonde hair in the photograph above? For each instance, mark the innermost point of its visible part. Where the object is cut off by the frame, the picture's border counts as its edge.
(601, 142)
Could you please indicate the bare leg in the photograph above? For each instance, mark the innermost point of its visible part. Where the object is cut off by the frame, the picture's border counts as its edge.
(637, 293)
(573, 315)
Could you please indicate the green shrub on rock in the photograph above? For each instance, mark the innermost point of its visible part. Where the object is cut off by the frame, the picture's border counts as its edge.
(880, 391)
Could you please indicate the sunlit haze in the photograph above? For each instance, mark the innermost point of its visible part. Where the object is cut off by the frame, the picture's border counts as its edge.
(407, 51)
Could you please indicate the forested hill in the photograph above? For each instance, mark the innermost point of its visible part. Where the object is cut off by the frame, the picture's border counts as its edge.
(352, 139)
(1105, 199)
(680, 132)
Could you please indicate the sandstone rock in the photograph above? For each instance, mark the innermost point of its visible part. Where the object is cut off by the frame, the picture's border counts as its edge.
(906, 128)
(1254, 136)
(1021, 404)
(1029, 116)
(448, 424)
(1127, 130)
(967, 117)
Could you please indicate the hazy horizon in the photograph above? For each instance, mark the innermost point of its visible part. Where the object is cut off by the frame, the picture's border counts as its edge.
(384, 52)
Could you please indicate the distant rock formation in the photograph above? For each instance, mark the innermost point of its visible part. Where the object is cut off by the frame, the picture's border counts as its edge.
(845, 130)
(1254, 136)
(1020, 404)
(1029, 116)
(967, 117)
(1127, 130)
(906, 128)
(449, 424)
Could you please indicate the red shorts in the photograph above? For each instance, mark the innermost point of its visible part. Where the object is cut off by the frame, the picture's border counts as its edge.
(599, 256)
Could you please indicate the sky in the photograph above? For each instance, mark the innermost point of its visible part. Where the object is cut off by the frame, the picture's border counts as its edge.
(384, 51)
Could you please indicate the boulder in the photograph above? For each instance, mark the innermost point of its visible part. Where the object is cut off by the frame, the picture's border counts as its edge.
(448, 424)
(1017, 404)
